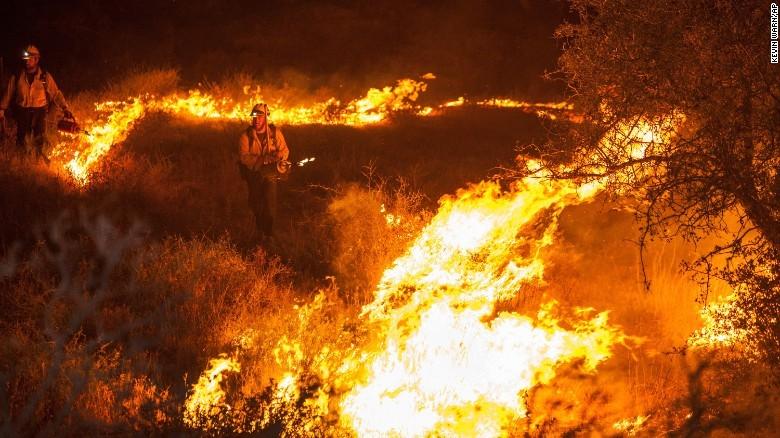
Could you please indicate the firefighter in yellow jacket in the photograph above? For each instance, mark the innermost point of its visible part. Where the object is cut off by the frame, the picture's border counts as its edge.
(263, 157)
(29, 95)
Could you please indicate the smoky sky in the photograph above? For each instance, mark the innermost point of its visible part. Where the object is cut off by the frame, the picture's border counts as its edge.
(475, 48)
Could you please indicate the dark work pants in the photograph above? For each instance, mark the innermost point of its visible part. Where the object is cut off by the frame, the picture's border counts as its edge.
(262, 200)
(30, 121)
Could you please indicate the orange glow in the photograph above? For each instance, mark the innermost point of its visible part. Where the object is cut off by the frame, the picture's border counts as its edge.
(549, 110)
(510, 103)
(391, 219)
(443, 362)
(454, 103)
(207, 397)
(718, 329)
(631, 426)
(439, 356)
(79, 154)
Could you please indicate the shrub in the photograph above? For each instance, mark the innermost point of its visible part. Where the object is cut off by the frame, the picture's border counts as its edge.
(371, 228)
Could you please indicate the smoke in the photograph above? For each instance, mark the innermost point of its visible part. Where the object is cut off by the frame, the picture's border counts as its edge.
(598, 264)
(476, 49)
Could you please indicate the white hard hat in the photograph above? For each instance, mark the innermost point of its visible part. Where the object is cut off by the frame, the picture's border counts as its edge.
(31, 51)
(260, 109)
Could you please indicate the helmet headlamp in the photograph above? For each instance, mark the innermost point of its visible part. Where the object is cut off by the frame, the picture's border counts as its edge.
(30, 52)
(260, 109)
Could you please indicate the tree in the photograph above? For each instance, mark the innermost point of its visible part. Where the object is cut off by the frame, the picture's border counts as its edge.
(698, 73)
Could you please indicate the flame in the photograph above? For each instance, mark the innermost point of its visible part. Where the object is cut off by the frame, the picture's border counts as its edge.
(718, 326)
(425, 111)
(391, 219)
(373, 108)
(446, 364)
(116, 119)
(641, 137)
(509, 103)
(87, 149)
(454, 103)
(441, 360)
(305, 161)
(631, 426)
(376, 105)
(459, 376)
(548, 110)
(82, 152)
(207, 398)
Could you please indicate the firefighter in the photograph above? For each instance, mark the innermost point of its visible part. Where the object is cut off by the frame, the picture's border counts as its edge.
(29, 95)
(263, 161)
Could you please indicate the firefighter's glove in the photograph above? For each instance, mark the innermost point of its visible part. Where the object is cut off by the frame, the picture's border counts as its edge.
(68, 114)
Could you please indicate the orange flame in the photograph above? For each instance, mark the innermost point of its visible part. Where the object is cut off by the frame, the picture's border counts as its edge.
(82, 152)
(85, 150)
(207, 398)
(719, 329)
(631, 426)
(442, 361)
(550, 110)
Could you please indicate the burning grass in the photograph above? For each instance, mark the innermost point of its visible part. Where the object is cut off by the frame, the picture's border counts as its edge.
(358, 216)
(445, 319)
(200, 299)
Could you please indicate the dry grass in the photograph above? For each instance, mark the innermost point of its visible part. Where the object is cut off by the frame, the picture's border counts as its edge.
(371, 228)
(162, 311)
(220, 293)
(597, 265)
(103, 332)
(192, 283)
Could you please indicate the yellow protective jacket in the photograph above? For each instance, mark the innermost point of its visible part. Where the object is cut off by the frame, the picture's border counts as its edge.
(255, 151)
(33, 95)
